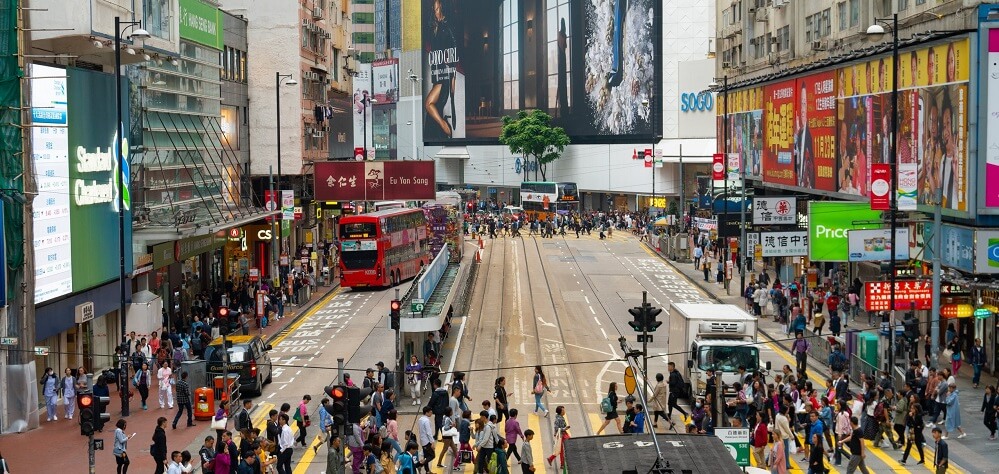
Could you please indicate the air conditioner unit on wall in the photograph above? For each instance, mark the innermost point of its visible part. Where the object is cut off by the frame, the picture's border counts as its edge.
(818, 45)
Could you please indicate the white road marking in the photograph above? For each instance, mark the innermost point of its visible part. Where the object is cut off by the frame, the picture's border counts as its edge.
(587, 298)
(603, 332)
(592, 311)
(454, 352)
(597, 320)
(271, 395)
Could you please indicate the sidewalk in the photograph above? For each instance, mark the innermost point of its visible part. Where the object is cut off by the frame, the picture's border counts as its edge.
(65, 449)
(965, 452)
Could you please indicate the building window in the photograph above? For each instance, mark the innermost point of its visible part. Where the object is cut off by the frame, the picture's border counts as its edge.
(156, 17)
(841, 14)
(363, 18)
(854, 13)
(783, 39)
(826, 29)
(559, 34)
(903, 5)
(920, 2)
(809, 28)
(511, 54)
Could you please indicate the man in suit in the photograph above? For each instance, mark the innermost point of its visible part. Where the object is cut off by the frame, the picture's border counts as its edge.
(843, 388)
(949, 166)
(804, 155)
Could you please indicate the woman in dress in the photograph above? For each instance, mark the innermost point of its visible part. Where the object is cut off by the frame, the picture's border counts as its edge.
(611, 414)
(953, 404)
(540, 385)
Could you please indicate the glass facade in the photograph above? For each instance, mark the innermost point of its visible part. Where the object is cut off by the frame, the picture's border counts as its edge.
(187, 176)
(156, 18)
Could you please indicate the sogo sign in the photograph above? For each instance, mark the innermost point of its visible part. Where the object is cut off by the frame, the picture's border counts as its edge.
(829, 224)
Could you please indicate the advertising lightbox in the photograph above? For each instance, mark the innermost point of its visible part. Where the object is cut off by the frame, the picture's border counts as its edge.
(587, 64)
(829, 225)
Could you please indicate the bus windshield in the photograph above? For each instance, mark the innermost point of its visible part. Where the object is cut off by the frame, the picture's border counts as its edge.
(728, 358)
(359, 259)
(356, 230)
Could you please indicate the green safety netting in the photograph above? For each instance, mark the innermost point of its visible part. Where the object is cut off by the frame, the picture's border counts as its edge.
(11, 161)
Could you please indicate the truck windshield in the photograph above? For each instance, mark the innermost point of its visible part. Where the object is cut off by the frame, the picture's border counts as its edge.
(728, 358)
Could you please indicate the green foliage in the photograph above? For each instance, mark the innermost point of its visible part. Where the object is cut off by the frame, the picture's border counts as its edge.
(531, 134)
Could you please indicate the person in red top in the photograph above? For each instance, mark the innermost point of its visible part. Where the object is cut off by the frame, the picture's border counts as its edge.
(832, 302)
(760, 438)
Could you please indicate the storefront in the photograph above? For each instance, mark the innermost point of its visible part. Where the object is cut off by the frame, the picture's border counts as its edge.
(80, 330)
(248, 252)
(182, 269)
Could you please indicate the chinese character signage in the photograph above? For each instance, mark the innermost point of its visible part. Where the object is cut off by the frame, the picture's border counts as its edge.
(375, 180)
(877, 295)
(287, 205)
(775, 211)
(784, 244)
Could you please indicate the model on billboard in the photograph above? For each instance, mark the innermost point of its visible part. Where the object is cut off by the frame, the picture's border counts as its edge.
(443, 62)
(563, 72)
(804, 153)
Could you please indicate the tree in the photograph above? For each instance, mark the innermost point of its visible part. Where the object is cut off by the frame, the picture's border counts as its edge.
(532, 135)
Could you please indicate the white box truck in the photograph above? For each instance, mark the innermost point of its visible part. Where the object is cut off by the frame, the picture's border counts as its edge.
(711, 336)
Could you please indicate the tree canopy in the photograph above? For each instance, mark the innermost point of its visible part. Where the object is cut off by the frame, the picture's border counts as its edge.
(531, 134)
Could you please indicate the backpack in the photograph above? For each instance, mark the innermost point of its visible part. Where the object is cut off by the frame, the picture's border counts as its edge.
(491, 466)
(406, 463)
(879, 411)
(605, 405)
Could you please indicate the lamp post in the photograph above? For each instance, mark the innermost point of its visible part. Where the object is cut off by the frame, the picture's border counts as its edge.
(876, 31)
(138, 33)
(724, 251)
(649, 105)
(275, 195)
(413, 79)
(366, 101)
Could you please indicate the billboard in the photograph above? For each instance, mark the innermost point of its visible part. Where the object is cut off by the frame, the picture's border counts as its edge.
(93, 169)
(991, 182)
(386, 80)
(744, 112)
(957, 249)
(779, 133)
(877, 295)
(829, 224)
(361, 108)
(341, 136)
(375, 180)
(814, 153)
(587, 64)
(875, 244)
(50, 159)
(987, 251)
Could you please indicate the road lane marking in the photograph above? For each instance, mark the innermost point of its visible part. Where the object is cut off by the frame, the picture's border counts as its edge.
(592, 311)
(597, 320)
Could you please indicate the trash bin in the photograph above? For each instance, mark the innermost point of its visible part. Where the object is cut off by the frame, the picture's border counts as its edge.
(204, 403)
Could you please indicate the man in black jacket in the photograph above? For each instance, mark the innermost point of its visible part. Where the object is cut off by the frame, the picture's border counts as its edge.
(159, 448)
(676, 388)
(438, 403)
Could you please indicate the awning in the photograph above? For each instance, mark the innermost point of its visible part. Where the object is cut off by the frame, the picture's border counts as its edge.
(453, 152)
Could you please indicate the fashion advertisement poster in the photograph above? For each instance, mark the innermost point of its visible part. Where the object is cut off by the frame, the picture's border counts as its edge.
(587, 63)
(745, 127)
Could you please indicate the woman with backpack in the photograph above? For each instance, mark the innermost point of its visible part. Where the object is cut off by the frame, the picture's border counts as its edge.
(540, 384)
(609, 406)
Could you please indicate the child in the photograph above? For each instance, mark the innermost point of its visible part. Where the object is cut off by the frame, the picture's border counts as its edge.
(527, 457)
(487, 406)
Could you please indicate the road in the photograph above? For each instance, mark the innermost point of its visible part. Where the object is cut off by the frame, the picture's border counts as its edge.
(561, 303)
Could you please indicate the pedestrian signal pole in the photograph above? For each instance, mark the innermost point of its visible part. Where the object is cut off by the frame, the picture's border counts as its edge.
(645, 319)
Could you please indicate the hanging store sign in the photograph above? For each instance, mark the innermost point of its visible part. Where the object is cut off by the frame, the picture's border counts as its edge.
(375, 181)
(877, 295)
(200, 22)
(775, 211)
(875, 245)
(784, 244)
(880, 186)
(718, 166)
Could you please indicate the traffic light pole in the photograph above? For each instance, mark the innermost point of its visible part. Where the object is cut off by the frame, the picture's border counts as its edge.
(398, 353)
(645, 345)
(91, 455)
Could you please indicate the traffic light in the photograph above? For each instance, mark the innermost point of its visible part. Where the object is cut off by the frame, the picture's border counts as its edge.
(85, 406)
(101, 414)
(638, 318)
(394, 313)
(338, 406)
(223, 316)
(354, 408)
(644, 318)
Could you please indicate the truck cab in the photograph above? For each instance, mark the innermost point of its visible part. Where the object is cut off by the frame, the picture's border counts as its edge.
(712, 336)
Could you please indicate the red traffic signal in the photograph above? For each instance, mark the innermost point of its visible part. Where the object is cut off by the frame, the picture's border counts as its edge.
(396, 305)
(395, 312)
(337, 392)
(223, 311)
(85, 403)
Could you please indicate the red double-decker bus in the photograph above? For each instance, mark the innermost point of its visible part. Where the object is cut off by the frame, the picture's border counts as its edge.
(383, 248)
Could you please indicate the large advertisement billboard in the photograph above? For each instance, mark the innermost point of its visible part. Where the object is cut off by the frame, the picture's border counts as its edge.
(779, 127)
(386, 80)
(824, 131)
(744, 112)
(990, 185)
(587, 64)
(830, 224)
(73, 153)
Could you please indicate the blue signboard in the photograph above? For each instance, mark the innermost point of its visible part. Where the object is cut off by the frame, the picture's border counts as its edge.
(958, 246)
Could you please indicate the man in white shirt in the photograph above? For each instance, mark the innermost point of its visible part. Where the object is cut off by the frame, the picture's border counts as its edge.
(427, 435)
(286, 442)
(165, 375)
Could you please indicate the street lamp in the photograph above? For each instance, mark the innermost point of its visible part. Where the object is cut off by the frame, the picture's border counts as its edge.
(138, 33)
(366, 101)
(724, 87)
(876, 31)
(413, 79)
(287, 79)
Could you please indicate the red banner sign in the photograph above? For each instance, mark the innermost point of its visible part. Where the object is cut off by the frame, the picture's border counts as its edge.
(880, 186)
(877, 295)
(718, 167)
(272, 203)
(815, 132)
(375, 181)
(779, 132)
